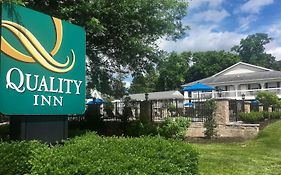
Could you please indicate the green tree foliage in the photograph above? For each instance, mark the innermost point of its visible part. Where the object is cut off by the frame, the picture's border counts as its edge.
(175, 70)
(172, 71)
(169, 74)
(267, 99)
(121, 35)
(277, 65)
(143, 83)
(208, 63)
(251, 50)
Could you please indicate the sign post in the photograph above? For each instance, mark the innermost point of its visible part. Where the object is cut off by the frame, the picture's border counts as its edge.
(42, 73)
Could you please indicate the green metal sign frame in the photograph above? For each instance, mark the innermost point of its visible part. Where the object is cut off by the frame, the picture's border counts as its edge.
(42, 64)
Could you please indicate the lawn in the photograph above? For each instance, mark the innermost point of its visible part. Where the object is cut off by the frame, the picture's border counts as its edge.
(261, 155)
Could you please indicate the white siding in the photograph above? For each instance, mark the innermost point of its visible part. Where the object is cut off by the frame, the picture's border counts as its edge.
(241, 69)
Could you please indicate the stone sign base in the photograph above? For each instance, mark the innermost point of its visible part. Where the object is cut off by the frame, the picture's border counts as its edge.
(48, 129)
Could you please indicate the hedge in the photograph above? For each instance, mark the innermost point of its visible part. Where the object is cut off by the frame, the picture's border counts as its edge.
(252, 117)
(15, 156)
(256, 117)
(91, 154)
(272, 115)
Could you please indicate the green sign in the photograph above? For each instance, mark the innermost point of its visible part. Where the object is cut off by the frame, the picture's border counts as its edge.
(42, 64)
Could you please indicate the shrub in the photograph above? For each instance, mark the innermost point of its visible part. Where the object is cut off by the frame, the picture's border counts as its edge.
(174, 128)
(170, 128)
(252, 117)
(138, 128)
(15, 156)
(209, 114)
(268, 99)
(91, 154)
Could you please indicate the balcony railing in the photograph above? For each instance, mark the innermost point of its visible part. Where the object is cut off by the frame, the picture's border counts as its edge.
(249, 94)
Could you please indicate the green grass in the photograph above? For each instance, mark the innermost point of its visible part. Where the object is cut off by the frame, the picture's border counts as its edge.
(261, 155)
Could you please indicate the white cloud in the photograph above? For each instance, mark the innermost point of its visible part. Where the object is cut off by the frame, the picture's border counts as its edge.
(251, 8)
(203, 39)
(275, 52)
(274, 31)
(254, 6)
(194, 4)
(274, 47)
(210, 16)
(244, 22)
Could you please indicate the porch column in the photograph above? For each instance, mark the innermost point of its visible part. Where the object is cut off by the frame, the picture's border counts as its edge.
(262, 85)
(236, 90)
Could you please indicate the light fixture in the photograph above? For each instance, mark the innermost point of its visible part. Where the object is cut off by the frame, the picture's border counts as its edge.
(146, 96)
(243, 97)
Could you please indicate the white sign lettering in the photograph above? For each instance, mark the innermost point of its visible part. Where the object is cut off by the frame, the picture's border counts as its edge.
(21, 82)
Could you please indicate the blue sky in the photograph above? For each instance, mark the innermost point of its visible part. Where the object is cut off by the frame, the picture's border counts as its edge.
(221, 24)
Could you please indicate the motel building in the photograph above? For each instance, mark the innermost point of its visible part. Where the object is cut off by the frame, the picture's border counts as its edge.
(241, 81)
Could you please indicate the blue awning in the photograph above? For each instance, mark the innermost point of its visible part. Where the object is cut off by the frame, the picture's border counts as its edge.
(96, 101)
(198, 87)
(188, 104)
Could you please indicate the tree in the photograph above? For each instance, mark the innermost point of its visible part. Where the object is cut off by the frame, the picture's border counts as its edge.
(268, 98)
(276, 65)
(251, 50)
(121, 35)
(143, 83)
(172, 71)
(209, 63)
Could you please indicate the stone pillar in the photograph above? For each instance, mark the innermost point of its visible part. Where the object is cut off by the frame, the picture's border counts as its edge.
(260, 108)
(145, 111)
(222, 111)
(269, 108)
(247, 107)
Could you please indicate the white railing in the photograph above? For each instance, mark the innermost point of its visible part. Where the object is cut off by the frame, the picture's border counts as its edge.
(249, 94)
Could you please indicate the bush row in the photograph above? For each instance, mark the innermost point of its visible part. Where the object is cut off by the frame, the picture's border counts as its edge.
(256, 117)
(92, 154)
(171, 128)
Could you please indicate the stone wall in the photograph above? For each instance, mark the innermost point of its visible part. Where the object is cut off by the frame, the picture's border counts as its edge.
(234, 130)
(224, 128)
(196, 129)
(238, 130)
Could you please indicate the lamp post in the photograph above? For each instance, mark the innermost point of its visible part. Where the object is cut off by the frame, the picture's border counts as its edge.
(243, 102)
(146, 96)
